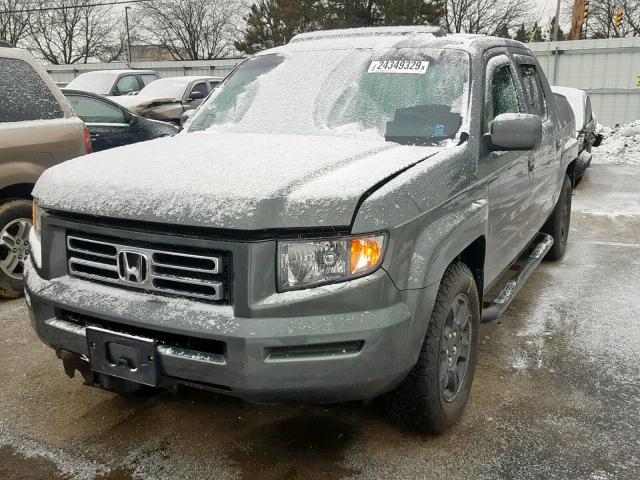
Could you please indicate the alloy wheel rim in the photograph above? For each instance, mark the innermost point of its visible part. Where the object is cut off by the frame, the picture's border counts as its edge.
(14, 247)
(455, 348)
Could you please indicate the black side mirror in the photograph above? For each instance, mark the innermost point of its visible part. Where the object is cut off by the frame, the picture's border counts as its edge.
(197, 95)
(133, 119)
(514, 131)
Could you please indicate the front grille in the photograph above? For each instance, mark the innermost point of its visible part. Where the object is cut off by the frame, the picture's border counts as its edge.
(165, 269)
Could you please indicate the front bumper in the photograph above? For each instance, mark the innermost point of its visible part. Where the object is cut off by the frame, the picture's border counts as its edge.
(259, 358)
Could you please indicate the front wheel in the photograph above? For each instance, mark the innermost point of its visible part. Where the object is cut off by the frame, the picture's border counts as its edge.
(15, 223)
(433, 396)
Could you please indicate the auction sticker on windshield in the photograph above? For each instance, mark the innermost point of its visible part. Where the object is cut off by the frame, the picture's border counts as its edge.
(398, 66)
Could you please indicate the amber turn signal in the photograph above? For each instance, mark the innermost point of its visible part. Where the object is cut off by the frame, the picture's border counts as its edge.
(366, 254)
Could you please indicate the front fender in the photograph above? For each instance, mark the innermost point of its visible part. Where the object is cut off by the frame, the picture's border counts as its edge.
(420, 251)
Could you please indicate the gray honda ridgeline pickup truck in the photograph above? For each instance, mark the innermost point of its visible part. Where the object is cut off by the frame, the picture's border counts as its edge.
(334, 223)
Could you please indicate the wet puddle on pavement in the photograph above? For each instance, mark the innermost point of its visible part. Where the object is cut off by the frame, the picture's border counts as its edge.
(14, 466)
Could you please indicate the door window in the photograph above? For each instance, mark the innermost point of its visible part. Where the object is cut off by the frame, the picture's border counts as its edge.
(91, 110)
(214, 84)
(504, 98)
(533, 92)
(127, 84)
(25, 96)
(200, 87)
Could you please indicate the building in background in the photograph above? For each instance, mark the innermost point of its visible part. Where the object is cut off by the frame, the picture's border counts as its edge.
(150, 53)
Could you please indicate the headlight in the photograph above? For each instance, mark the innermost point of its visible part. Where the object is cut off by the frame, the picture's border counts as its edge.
(305, 263)
(36, 216)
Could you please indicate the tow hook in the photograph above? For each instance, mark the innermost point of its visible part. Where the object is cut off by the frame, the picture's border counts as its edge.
(72, 362)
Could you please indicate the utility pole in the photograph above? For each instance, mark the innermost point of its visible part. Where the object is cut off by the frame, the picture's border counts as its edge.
(555, 26)
(577, 19)
(126, 19)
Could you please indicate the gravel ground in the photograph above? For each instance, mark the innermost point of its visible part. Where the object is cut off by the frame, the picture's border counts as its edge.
(556, 393)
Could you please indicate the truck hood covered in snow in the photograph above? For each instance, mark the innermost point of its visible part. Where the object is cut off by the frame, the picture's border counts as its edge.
(228, 180)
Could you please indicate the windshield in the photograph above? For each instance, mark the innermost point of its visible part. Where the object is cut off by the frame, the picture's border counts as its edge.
(165, 88)
(95, 82)
(410, 96)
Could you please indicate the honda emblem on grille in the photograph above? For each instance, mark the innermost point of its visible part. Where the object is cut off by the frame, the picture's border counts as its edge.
(132, 267)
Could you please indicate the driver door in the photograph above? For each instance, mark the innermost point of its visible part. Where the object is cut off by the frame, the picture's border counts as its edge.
(108, 125)
(510, 186)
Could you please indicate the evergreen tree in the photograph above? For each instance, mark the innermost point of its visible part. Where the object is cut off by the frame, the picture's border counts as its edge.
(351, 13)
(410, 12)
(503, 32)
(273, 22)
(521, 34)
(535, 34)
(561, 34)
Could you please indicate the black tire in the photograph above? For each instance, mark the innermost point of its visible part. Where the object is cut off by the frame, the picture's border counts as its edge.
(11, 212)
(420, 402)
(558, 223)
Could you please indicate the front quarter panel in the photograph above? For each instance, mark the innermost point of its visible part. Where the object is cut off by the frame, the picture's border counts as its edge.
(452, 212)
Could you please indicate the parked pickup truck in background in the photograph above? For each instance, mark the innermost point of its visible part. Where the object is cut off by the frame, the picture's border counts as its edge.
(586, 127)
(113, 82)
(335, 241)
(38, 129)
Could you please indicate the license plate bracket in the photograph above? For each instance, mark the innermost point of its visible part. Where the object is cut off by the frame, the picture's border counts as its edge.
(123, 356)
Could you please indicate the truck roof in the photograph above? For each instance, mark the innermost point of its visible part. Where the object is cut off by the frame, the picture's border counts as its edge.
(399, 37)
(115, 72)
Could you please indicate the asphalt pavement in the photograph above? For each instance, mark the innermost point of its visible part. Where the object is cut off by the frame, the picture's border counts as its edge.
(556, 393)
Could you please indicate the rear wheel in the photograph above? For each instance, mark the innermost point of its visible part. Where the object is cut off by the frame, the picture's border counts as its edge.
(558, 223)
(433, 396)
(15, 223)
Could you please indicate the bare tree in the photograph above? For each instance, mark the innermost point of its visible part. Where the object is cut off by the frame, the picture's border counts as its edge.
(631, 11)
(72, 31)
(13, 21)
(490, 17)
(193, 29)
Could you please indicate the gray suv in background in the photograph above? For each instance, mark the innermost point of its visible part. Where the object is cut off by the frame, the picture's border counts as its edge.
(38, 129)
(335, 241)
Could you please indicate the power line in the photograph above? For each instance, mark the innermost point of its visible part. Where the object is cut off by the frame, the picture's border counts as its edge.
(45, 9)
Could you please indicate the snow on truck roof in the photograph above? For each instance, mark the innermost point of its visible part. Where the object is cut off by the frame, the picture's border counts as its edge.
(420, 36)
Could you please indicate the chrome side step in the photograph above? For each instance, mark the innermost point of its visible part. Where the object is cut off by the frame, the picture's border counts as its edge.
(524, 266)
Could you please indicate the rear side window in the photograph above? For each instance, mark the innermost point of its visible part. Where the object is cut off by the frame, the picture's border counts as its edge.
(91, 110)
(504, 98)
(147, 78)
(25, 96)
(533, 92)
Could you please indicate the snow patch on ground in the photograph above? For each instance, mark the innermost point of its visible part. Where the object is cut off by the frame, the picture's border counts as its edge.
(70, 467)
(620, 146)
